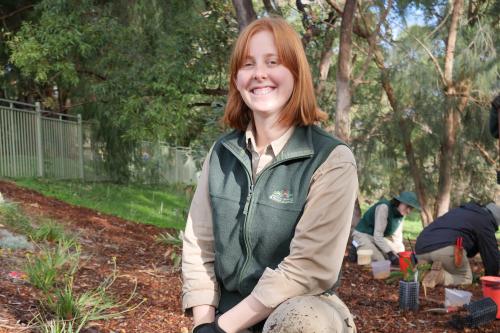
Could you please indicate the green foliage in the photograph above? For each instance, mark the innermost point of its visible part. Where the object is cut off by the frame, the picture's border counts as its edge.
(409, 275)
(157, 71)
(49, 231)
(139, 70)
(73, 312)
(169, 239)
(160, 206)
(175, 241)
(51, 265)
(11, 215)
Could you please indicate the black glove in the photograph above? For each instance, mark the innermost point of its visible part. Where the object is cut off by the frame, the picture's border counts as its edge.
(393, 258)
(208, 328)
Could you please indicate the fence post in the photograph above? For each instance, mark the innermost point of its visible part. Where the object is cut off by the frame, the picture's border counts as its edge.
(13, 141)
(39, 150)
(80, 145)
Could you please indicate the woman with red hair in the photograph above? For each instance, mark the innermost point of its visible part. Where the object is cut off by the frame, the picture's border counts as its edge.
(270, 218)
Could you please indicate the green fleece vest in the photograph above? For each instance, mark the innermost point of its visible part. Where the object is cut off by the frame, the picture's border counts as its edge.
(255, 223)
(367, 222)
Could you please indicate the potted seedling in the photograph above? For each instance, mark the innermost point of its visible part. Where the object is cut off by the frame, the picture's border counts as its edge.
(409, 289)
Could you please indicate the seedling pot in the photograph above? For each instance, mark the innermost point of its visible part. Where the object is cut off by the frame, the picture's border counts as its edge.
(491, 288)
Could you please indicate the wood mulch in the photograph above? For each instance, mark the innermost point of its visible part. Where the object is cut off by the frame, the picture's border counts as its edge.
(143, 263)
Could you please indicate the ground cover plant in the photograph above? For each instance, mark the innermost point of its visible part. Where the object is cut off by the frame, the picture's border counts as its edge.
(51, 266)
(141, 260)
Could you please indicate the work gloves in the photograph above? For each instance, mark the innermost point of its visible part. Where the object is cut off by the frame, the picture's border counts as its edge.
(393, 258)
(208, 328)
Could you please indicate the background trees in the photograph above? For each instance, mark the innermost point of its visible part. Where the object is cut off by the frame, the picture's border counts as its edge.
(421, 75)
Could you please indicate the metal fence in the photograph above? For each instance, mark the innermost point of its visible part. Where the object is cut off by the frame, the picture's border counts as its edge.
(40, 143)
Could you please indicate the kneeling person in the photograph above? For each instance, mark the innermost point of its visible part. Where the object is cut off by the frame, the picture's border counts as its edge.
(462, 232)
(381, 227)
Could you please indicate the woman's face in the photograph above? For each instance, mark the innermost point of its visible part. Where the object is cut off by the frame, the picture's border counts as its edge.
(404, 209)
(264, 83)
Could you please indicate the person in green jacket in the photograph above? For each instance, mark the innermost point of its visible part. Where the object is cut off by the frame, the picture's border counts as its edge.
(271, 215)
(381, 227)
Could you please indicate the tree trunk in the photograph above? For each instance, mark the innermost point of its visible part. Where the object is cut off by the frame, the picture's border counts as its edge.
(244, 12)
(343, 104)
(271, 7)
(451, 117)
(425, 212)
(415, 171)
(325, 62)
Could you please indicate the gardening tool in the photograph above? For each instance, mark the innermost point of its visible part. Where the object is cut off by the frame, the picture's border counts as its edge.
(448, 309)
(458, 252)
(413, 257)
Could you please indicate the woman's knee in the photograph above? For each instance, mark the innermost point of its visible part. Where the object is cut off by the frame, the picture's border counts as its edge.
(311, 314)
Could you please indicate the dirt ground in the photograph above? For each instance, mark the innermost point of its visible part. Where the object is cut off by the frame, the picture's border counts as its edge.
(374, 303)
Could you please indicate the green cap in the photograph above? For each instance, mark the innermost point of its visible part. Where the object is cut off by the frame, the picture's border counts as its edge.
(409, 198)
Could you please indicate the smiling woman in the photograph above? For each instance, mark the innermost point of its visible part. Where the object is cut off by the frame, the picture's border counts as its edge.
(264, 83)
(269, 221)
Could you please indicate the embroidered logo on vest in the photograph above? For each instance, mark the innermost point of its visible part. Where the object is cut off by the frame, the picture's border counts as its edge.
(283, 196)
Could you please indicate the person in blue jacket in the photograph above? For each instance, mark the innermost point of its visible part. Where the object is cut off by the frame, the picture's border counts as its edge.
(455, 236)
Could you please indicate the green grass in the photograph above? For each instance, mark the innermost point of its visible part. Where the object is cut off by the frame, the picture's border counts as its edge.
(161, 206)
(412, 226)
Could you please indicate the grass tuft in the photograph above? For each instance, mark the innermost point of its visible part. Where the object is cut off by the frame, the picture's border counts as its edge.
(49, 231)
(52, 265)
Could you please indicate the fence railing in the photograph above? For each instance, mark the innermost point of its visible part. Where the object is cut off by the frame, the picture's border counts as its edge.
(39, 143)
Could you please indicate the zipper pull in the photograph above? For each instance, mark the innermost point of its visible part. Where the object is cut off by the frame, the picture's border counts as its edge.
(247, 203)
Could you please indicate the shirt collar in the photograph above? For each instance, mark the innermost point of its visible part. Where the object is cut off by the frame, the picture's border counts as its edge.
(276, 145)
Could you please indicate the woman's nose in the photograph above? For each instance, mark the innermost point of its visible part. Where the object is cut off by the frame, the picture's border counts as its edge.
(260, 72)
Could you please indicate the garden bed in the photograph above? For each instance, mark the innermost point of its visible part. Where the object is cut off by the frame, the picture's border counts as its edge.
(144, 263)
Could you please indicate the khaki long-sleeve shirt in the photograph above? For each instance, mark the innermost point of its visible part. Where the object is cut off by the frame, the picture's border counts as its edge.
(390, 243)
(316, 251)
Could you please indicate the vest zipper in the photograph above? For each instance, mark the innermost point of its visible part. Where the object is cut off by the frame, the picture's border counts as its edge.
(246, 210)
(249, 198)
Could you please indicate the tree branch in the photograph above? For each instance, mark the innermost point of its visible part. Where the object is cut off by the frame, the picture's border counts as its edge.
(484, 153)
(214, 92)
(16, 11)
(371, 46)
(434, 60)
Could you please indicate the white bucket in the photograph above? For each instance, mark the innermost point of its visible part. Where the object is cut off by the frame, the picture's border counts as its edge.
(364, 257)
(456, 297)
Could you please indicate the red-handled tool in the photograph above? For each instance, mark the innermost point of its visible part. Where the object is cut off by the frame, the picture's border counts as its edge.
(458, 253)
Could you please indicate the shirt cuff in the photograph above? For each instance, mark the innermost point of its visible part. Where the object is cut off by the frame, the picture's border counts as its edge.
(274, 288)
(200, 297)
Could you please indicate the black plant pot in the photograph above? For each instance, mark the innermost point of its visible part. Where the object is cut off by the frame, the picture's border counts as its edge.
(408, 295)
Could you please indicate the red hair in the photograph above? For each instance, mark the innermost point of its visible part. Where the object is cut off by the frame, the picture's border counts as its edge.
(301, 108)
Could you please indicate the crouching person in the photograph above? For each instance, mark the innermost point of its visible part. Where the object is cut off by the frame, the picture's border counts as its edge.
(381, 227)
(270, 218)
(455, 236)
